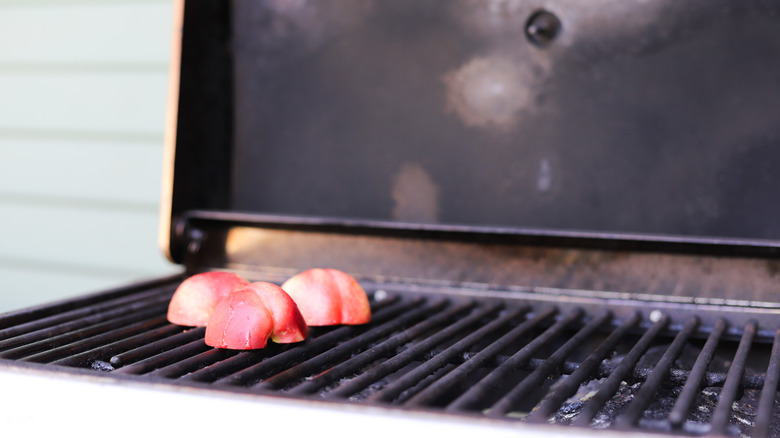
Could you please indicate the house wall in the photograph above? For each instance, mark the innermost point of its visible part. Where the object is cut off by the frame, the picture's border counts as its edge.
(83, 87)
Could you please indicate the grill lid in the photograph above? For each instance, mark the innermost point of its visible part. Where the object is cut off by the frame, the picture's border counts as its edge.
(641, 121)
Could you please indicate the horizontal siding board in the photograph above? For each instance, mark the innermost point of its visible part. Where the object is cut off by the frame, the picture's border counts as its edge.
(87, 102)
(115, 240)
(26, 4)
(83, 88)
(91, 172)
(80, 32)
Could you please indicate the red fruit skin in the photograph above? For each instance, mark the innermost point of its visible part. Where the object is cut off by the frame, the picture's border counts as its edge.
(355, 308)
(316, 296)
(240, 322)
(289, 325)
(197, 296)
(329, 297)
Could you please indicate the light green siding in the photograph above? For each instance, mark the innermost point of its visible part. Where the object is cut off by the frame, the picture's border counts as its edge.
(83, 88)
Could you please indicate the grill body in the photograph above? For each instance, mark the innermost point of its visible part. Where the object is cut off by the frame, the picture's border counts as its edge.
(451, 352)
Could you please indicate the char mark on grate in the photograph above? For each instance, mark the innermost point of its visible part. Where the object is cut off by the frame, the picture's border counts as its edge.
(504, 359)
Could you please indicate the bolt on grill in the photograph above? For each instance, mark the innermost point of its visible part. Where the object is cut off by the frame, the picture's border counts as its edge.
(508, 360)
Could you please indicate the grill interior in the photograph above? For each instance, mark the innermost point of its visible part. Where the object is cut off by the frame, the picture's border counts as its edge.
(508, 359)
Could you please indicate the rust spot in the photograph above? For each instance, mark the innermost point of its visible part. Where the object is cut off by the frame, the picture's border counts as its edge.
(416, 195)
(773, 267)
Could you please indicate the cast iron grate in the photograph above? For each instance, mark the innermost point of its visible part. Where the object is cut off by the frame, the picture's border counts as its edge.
(512, 360)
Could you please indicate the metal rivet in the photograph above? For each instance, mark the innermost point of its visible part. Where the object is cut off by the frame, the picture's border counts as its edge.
(196, 240)
(380, 295)
(542, 28)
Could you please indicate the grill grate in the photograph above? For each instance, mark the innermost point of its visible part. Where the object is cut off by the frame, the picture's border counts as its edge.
(506, 359)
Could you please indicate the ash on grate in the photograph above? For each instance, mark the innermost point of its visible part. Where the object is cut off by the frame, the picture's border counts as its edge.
(743, 415)
(100, 365)
(656, 414)
(569, 411)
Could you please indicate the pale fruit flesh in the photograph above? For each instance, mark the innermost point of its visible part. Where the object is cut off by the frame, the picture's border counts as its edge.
(240, 322)
(289, 324)
(249, 317)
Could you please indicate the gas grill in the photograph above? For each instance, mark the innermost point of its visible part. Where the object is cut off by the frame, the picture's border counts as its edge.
(560, 231)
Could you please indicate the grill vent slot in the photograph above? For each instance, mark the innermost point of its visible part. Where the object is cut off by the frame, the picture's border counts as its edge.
(504, 359)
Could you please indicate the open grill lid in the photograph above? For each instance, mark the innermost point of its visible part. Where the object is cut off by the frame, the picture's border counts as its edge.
(444, 141)
(606, 122)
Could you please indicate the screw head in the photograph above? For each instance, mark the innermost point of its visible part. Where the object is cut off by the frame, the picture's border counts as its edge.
(542, 28)
(196, 240)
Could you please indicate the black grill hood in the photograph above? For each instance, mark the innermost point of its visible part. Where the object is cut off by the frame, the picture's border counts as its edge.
(607, 121)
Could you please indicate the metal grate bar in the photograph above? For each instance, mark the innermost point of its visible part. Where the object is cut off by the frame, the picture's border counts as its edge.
(351, 348)
(235, 366)
(187, 367)
(48, 333)
(477, 393)
(453, 353)
(679, 377)
(101, 352)
(150, 357)
(623, 370)
(433, 393)
(688, 394)
(83, 316)
(90, 301)
(407, 356)
(676, 376)
(192, 363)
(96, 341)
(165, 358)
(319, 344)
(768, 394)
(547, 368)
(145, 351)
(649, 389)
(728, 394)
(394, 390)
(356, 361)
(568, 387)
(70, 337)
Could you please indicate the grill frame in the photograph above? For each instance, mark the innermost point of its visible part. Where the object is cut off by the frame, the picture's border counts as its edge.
(266, 390)
(170, 409)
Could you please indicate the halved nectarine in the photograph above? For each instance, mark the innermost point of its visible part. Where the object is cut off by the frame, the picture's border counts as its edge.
(195, 298)
(249, 317)
(240, 322)
(329, 297)
(289, 324)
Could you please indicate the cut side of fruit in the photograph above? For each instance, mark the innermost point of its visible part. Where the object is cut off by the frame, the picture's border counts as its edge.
(289, 324)
(249, 317)
(240, 322)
